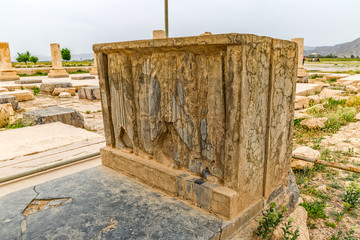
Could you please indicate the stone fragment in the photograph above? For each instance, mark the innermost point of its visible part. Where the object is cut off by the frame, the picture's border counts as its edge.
(329, 93)
(3, 89)
(10, 99)
(307, 152)
(301, 102)
(28, 81)
(82, 77)
(301, 115)
(48, 88)
(357, 117)
(65, 95)
(57, 70)
(21, 95)
(352, 89)
(314, 99)
(7, 73)
(54, 114)
(6, 111)
(94, 70)
(57, 91)
(158, 34)
(314, 122)
(91, 93)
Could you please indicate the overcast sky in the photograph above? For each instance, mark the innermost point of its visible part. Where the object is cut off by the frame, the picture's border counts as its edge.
(77, 24)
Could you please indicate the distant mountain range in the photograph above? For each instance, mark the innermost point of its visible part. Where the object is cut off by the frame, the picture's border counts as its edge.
(77, 57)
(340, 50)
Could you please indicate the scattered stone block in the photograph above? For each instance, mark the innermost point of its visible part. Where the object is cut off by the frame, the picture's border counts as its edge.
(21, 95)
(28, 81)
(82, 77)
(357, 117)
(54, 114)
(91, 93)
(6, 111)
(50, 87)
(58, 91)
(306, 152)
(3, 89)
(329, 93)
(314, 98)
(10, 99)
(352, 89)
(301, 102)
(314, 122)
(65, 95)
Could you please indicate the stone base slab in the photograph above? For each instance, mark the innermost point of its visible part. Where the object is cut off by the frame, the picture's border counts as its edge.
(82, 77)
(193, 189)
(94, 71)
(49, 88)
(8, 75)
(91, 93)
(10, 99)
(21, 95)
(58, 73)
(28, 81)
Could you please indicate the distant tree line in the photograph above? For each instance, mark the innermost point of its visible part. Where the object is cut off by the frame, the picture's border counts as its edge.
(328, 56)
(26, 57)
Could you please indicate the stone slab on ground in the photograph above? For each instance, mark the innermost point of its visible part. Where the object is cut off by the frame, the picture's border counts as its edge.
(50, 86)
(35, 139)
(28, 81)
(54, 114)
(304, 89)
(91, 93)
(100, 203)
(21, 95)
(10, 99)
(83, 77)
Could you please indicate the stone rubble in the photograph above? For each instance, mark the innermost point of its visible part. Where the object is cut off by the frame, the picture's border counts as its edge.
(314, 122)
(307, 152)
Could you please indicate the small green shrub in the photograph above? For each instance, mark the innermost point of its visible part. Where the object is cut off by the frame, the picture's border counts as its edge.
(330, 224)
(351, 196)
(287, 234)
(332, 103)
(315, 209)
(87, 112)
(269, 221)
(36, 90)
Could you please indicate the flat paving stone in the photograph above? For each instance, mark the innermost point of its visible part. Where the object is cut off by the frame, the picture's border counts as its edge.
(82, 77)
(303, 89)
(54, 114)
(28, 81)
(100, 203)
(10, 99)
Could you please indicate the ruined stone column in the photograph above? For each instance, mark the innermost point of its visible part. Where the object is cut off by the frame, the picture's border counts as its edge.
(301, 73)
(158, 34)
(94, 70)
(57, 70)
(7, 73)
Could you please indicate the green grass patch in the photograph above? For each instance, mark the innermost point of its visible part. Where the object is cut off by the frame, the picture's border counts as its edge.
(315, 209)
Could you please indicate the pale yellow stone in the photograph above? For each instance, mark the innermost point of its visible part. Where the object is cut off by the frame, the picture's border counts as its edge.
(3, 89)
(306, 152)
(57, 70)
(6, 71)
(301, 70)
(158, 34)
(94, 70)
(314, 122)
(6, 111)
(57, 91)
(20, 95)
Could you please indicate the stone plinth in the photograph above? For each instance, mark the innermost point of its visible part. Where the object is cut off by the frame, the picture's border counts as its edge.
(6, 71)
(91, 93)
(158, 34)
(206, 119)
(21, 95)
(57, 70)
(94, 70)
(301, 72)
(54, 114)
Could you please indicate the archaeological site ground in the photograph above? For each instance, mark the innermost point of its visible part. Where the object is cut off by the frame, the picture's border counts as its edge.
(208, 136)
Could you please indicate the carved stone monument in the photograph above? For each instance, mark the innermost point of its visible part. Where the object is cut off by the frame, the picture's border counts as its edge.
(7, 73)
(206, 119)
(57, 70)
(94, 70)
(302, 75)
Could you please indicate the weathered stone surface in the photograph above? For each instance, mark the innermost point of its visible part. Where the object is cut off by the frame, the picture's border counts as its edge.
(50, 87)
(217, 106)
(304, 152)
(20, 95)
(28, 81)
(58, 91)
(10, 99)
(65, 95)
(6, 71)
(91, 93)
(352, 89)
(54, 114)
(94, 70)
(314, 122)
(301, 102)
(301, 73)
(6, 111)
(357, 117)
(57, 70)
(3, 89)
(158, 34)
(329, 93)
(82, 77)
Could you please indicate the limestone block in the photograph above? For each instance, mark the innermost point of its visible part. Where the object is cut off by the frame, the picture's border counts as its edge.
(57, 91)
(65, 95)
(329, 93)
(28, 81)
(314, 122)
(301, 102)
(54, 114)
(3, 89)
(49, 88)
(6, 71)
(304, 152)
(21, 95)
(10, 99)
(158, 34)
(91, 93)
(357, 117)
(58, 73)
(82, 77)
(94, 70)
(6, 111)
(314, 99)
(352, 89)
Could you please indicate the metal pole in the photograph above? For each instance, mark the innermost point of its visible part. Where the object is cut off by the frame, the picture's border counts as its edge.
(166, 19)
(329, 164)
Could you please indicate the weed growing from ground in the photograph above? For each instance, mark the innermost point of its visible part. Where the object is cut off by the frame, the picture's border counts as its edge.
(351, 197)
(269, 221)
(36, 90)
(315, 209)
